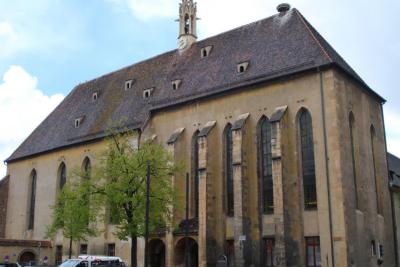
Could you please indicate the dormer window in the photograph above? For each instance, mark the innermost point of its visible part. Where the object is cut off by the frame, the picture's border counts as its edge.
(242, 67)
(205, 51)
(95, 96)
(78, 121)
(147, 93)
(128, 84)
(176, 84)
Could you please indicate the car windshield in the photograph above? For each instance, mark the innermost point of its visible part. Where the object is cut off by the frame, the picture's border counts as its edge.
(106, 263)
(70, 263)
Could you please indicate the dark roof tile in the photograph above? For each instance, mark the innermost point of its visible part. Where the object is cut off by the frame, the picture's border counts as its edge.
(394, 164)
(277, 46)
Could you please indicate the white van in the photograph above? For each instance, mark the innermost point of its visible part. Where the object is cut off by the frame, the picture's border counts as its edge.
(94, 261)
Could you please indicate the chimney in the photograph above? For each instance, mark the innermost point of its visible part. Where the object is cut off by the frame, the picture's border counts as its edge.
(284, 7)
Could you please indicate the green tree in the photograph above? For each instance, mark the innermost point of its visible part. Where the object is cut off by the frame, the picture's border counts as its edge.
(123, 181)
(75, 209)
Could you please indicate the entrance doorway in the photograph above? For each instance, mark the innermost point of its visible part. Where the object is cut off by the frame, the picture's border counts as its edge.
(27, 257)
(192, 252)
(157, 253)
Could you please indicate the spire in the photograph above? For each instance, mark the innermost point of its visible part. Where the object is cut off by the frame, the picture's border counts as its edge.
(187, 24)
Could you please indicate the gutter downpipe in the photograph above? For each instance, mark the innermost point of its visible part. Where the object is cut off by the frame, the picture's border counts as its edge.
(395, 240)
(326, 164)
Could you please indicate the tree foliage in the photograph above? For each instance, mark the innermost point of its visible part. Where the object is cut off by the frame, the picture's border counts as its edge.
(75, 210)
(118, 185)
(123, 178)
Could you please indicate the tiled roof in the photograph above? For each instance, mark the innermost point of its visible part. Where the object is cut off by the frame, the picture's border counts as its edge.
(4, 179)
(394, 164)
(281, 45)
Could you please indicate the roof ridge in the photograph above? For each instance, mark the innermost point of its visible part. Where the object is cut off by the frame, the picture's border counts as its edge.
(237, 28)
(313, 36)
(174, 50)
(124, 68)
(278, 49)
(393, 155)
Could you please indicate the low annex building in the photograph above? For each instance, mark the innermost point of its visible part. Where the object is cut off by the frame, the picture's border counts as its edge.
(284, 143)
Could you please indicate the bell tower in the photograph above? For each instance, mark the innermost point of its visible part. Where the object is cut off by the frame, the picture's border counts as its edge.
(187, 24)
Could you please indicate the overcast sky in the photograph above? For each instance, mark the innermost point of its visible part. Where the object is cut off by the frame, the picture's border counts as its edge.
(49, 46)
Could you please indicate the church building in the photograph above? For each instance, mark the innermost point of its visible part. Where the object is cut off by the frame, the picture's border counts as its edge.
(284, 143)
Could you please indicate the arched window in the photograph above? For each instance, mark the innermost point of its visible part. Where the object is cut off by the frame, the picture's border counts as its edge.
(307, 160)
(373, 149)
(229, 170)
(353, 157)
(87, 168)
(187, 24)
(31, 211)
(266, 166)
(195, 174)
(62, 175)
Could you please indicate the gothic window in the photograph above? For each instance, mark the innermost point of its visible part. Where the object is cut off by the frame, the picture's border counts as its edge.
(380, 251)
(187, 24)
(62, 175)
(353, 157)
(307, 160)
(229, 170)
(373, 248)
(87, 168)
(266, 167)
(31, 212)
(112, 214)
(195, 174)
(87, 171)
(313, 252)
(373, 146)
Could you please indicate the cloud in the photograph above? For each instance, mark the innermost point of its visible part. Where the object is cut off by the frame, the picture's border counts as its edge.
(10, 42)
(32, 27)
(22, 107)
(216, 16)
(7, 31)
(392, 120)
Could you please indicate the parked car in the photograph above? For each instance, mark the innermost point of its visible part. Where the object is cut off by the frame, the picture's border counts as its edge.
(94, 261)
(7, 264)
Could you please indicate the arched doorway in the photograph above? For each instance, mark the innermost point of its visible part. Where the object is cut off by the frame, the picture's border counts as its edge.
(27, 257)
(157, 253)
(192, 252)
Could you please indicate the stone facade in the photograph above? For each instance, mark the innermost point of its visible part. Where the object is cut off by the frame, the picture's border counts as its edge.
(342, 230)
(394, 182)
(290, 224)
(3, 204)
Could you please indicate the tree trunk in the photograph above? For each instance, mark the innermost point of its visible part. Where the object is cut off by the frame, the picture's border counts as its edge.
(133, 251)
(70, 248)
